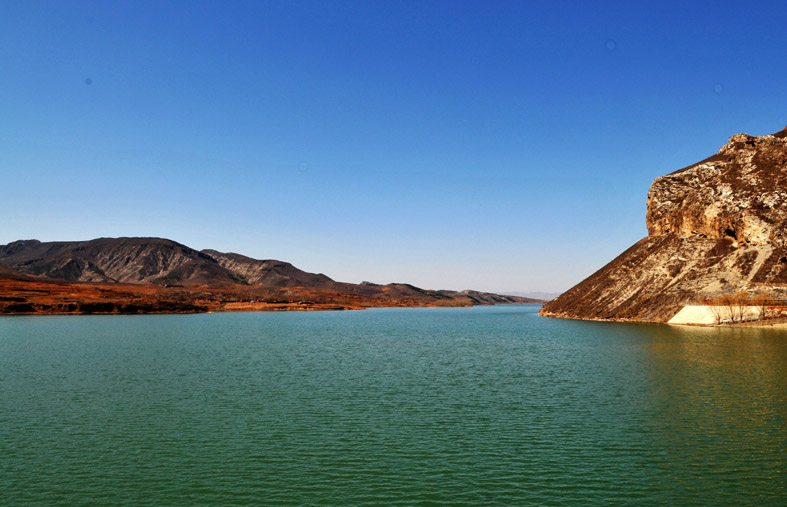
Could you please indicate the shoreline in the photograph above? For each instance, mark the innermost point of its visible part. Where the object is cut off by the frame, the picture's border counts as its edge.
(256, 307)
(26, 296)
(781, 323)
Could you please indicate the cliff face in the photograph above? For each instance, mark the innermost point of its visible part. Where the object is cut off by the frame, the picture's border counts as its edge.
(740, 193)
(715, 227)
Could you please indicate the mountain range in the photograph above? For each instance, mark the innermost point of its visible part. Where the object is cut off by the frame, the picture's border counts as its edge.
(163, 263)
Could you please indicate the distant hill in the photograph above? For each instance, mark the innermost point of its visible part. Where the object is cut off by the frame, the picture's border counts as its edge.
(164, 262)
(487, 298)
(546, 296)
(120, 260)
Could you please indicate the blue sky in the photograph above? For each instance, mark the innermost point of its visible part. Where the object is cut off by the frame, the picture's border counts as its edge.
(498, 146)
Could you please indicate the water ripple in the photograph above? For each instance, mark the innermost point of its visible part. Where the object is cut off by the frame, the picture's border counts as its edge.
(388, 407)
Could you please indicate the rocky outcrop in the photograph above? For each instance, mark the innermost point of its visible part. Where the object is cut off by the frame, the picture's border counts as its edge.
(714, 227)
(740, 194)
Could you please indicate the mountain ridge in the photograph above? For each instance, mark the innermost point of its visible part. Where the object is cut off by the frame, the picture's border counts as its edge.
(269, 271)
(231, 280)
(119, 260)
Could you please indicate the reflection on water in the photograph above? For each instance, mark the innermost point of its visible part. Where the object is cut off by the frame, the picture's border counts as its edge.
(719, 399)
(460, 406)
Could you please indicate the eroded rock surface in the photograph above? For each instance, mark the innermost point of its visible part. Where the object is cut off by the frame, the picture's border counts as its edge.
(269, 272)
(715, 227)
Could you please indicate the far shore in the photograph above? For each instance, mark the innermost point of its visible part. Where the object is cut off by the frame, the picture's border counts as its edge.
(26, 296)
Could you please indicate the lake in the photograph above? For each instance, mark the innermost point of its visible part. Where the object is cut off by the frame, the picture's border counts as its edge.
(483, 405)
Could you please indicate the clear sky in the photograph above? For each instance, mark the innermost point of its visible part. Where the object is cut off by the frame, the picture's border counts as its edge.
(501, 146)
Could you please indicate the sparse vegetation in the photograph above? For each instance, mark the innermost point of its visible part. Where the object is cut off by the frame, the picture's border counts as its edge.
(23, 295)
(731, 308)
(761, 302)
(715, 306)
(451, 303)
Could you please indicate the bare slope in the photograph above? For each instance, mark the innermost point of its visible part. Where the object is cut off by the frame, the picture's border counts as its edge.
(12, 274)
(271, 273)
(121, 260)
(715, 227)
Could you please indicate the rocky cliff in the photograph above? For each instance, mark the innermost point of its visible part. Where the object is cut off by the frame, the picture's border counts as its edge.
(715, 227)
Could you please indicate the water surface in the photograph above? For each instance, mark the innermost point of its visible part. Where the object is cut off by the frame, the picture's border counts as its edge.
(485, 405)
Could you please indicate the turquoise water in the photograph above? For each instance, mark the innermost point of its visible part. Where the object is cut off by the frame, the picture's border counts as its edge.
(485, 405)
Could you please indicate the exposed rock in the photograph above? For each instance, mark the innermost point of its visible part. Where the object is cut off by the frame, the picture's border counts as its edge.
(123, 260)
(486, 298)
(715, 227)
(272, 273)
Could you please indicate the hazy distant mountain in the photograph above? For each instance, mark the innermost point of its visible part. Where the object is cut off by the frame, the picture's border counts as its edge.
(546, 296)
(488, 298)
